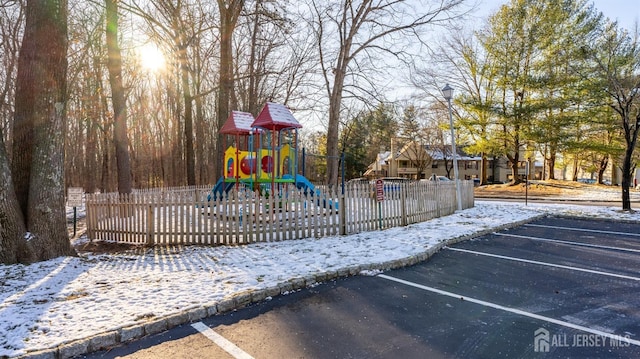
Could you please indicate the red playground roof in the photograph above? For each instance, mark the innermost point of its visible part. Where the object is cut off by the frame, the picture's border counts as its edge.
(275, 117)
(238, 123)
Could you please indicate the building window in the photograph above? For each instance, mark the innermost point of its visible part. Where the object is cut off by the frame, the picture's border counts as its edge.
(434, 164)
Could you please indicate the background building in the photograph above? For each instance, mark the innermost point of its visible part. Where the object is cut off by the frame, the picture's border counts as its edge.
(419, 162)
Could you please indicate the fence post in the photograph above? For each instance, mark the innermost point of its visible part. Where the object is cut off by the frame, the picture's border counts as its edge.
(89, 216)
(342, 214)
(150, 225)
(438, 199)
(403, 204)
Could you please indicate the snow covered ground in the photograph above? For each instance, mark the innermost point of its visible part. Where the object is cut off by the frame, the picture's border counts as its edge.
(50, 304)
(605, 195)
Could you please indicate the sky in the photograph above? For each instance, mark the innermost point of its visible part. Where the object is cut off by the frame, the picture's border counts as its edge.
(625, 11)
(69, 300)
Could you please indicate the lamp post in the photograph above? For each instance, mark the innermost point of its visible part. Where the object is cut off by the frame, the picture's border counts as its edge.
(447, 91)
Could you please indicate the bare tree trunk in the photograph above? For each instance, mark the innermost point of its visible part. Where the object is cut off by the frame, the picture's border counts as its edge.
(602, 167)
(552, 164)
(632, 127)
(13, 248)
(200, 137)
(188, 117)
(514, 161)
(627, 177)
(201, 160)
(483, 169)
(46, 218)
(40, 114)
(114, 64)
(10, 30)
(23, 120)
(90, 160)
(177, 163)
(253, 85)
(105, 177)
(229, 13)
(335, 104)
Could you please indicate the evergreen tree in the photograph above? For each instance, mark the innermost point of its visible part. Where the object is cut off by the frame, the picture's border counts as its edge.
(512, 43)
(365, 136)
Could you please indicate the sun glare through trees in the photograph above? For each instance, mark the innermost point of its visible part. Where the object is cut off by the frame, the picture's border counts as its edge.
(151, 57)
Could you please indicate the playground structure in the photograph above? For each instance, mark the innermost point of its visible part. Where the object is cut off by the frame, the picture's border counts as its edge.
(269, 201)
(264, 153)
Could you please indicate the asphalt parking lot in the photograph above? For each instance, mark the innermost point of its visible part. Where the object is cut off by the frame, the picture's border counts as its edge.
(553, 288)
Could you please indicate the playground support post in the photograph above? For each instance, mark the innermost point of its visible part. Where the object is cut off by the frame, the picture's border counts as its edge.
(304, 150)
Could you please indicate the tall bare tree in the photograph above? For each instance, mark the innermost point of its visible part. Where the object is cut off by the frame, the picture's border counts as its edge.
(37, 170)
(184, 28)
(229, 13)
(11, 24)
(118, 98)
(12, 227)
(350, 34)
(616, 66)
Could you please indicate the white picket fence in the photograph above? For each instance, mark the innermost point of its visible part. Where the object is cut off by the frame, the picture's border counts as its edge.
(195, 216)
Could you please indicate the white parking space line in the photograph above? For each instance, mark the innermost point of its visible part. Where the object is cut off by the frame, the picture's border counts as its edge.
(583, 230)
(619, 338)
(568, 242)
(545, 264)
(221, 341)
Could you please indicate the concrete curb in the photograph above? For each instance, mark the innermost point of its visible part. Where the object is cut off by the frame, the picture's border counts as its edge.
(240, 300)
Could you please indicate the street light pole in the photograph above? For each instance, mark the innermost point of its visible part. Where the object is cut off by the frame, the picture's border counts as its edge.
(447, 91)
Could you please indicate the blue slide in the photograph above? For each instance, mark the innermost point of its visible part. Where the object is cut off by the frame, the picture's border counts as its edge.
(302, 183)
(220, 186)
